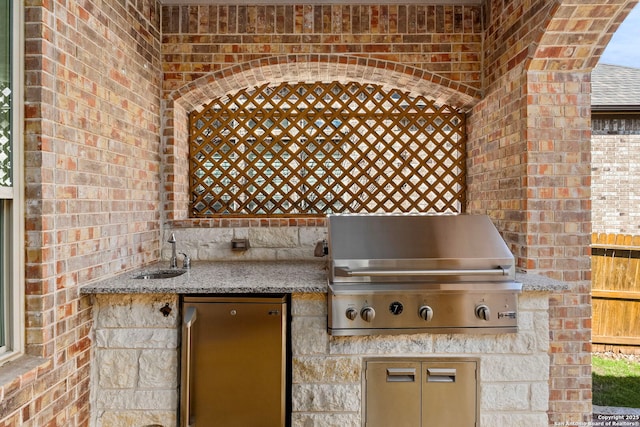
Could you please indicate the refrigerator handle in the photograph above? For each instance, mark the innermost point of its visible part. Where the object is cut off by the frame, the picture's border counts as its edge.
(187, 329)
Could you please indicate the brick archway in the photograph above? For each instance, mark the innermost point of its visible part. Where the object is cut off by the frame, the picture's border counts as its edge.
(326, 68)
(536, 109)
(287, 68)
(576, 35)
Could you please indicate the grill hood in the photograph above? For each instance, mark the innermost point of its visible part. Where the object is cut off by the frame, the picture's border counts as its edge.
(407, 248)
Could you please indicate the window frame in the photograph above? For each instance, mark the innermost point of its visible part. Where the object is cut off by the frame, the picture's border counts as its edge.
(12, 217)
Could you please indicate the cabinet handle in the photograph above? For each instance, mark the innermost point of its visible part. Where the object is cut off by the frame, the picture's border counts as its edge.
(441, 375)
(187, 358)
(401, 375)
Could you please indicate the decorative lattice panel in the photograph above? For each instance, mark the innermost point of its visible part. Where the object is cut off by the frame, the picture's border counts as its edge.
(5, 135)
(313, 149)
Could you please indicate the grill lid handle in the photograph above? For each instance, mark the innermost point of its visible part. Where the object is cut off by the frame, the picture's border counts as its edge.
(348, 272)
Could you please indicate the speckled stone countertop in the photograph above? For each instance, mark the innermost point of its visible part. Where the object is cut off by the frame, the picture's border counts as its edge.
(252, 277)
(536, 282)
(222, 277)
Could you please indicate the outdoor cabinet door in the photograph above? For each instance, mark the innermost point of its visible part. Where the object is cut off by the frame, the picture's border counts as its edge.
(392, 394)
(449, 394)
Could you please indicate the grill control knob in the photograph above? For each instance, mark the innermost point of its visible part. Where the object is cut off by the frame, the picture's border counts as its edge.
(351, 313)
(482, 312)
(426, 313)
(368, 314)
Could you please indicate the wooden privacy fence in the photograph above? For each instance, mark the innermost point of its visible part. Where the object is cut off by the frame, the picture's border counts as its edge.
(615, 275)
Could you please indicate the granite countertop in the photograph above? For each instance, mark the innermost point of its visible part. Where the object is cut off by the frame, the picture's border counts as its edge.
(222, 277)
(536, 282)
(253, 277)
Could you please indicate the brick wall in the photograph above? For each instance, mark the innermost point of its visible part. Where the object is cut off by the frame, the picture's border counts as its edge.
(109, 85)
(442, 39)
(559, 229)
(528, 141)
(530, 170)
(532, 177)
(615, 172)
(92, 135)
(209, 51)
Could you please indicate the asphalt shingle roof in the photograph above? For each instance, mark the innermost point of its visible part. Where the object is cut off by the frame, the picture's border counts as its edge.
(615, 88)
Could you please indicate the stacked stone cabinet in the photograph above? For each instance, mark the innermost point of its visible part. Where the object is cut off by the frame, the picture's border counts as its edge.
(135, 374)
(137, 356)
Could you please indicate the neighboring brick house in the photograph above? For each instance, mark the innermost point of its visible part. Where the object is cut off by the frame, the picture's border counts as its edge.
(109, 84)
(615, 149)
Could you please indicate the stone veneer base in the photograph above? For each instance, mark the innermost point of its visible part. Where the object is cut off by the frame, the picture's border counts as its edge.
(135, 377)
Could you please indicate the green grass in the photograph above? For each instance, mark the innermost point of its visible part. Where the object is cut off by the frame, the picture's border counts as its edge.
(616, 382)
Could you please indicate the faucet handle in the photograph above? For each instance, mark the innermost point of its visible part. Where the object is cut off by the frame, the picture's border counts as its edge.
(186, 261)
(321, 249)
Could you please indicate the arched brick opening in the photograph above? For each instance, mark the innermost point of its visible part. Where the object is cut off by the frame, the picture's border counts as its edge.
(576, 34)
(289, 68)
(559, 72)
(536, 109)
(313, 68)
(529, 130)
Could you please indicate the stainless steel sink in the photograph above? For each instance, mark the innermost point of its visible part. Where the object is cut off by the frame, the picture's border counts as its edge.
(161, 274)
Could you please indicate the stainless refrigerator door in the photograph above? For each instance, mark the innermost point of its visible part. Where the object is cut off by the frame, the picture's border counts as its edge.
(234, 362)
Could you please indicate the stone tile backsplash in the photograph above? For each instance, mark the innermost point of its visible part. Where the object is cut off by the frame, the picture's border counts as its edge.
(265, 243)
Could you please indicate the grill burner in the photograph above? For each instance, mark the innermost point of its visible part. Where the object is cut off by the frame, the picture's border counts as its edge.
(392, 274)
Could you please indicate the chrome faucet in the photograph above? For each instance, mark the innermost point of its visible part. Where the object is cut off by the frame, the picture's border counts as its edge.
(173, 263)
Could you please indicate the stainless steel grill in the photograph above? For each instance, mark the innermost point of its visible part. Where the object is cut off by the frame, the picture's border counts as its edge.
(393, 274)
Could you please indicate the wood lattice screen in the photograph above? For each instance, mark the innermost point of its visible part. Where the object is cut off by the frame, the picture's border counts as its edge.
(313, 149)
